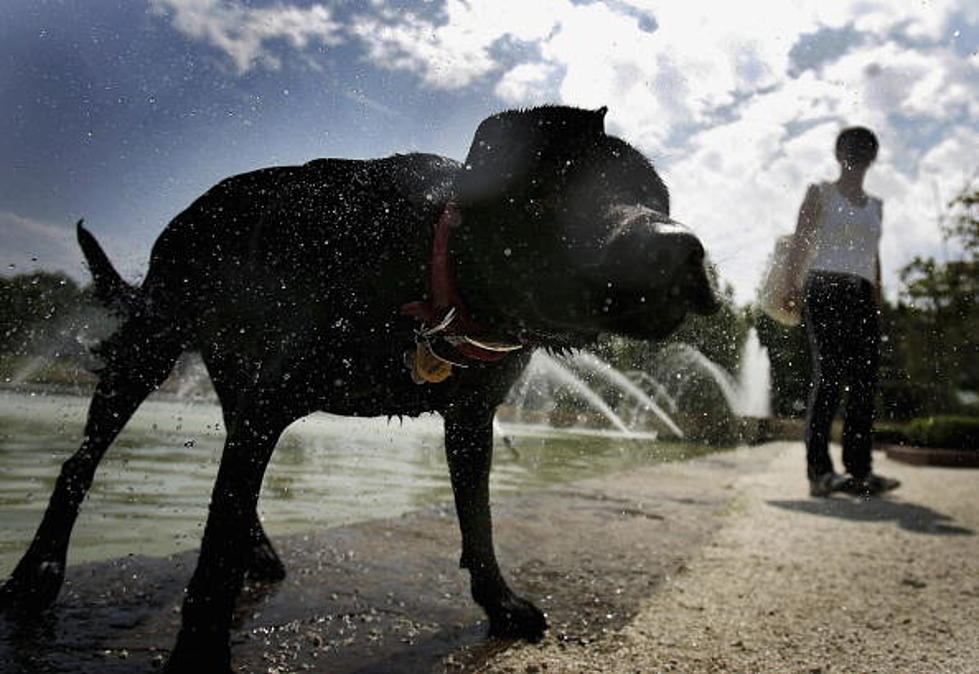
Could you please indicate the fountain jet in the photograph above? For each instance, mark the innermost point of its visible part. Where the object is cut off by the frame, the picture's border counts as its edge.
(592, 362)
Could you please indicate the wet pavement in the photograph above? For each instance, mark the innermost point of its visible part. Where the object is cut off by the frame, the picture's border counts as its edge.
(387, 595)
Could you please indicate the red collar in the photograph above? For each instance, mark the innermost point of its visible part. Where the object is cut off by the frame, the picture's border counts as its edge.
(444, 314)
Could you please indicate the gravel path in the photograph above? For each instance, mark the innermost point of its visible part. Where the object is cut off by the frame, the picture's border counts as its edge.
(795, 584)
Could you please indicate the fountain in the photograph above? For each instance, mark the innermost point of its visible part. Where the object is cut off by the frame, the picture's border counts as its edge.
(603, 369)
(707, 401)
(657, 387)
(540, 387)
(631, 403)
(60, 354)
(747, 396)
(546, 370)
(754, 379)
(622, 398)
(691, 359)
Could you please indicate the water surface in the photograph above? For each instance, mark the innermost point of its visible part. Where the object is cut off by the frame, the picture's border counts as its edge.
(151, 491)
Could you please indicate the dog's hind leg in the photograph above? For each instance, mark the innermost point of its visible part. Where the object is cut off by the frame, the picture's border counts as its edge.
(262, 561)
(203, 642)
(139, 359)
(469, 449)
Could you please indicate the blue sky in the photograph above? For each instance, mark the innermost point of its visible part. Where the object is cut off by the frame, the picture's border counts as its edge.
(123, 112)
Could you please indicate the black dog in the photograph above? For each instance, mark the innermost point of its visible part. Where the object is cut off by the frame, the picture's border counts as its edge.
(387, 287)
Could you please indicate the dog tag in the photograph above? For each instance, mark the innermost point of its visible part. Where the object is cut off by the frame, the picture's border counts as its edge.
(425, 367)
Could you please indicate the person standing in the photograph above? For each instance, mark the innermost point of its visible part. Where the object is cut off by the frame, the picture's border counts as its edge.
(839, 226)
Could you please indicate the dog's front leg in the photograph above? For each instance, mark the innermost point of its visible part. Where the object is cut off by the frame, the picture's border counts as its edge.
(469, 450)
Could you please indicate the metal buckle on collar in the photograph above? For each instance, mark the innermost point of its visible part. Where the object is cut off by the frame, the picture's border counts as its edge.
(424, 336)
(441, 326)
(495, 347)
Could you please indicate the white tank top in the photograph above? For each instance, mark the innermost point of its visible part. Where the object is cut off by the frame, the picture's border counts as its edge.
(847, 235)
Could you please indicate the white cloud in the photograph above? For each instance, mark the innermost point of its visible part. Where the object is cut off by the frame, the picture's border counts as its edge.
(413, 44)
(911, 81)
(526, 83)
(920, 20)
(942, 172)
(243, 32)
(455, 50)
(954, 157)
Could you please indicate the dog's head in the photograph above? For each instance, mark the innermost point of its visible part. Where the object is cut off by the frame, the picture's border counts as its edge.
(568, 230)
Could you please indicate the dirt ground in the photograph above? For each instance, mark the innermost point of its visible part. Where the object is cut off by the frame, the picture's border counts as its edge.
(722, 564)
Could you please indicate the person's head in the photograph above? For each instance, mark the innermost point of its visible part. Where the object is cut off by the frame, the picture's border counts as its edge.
(856, 147)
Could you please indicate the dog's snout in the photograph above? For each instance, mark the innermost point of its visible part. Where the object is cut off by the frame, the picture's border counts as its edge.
(690, 272)
(695, 254)
(683, 248)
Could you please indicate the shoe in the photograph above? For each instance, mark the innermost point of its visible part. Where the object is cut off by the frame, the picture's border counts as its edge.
(866, 487)
(823, 485)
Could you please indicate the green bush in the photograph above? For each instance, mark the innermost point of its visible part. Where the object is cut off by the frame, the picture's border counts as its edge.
(944, 431)
(891, 434)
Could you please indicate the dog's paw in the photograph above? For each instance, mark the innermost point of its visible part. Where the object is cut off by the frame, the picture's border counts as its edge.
(264, 565)
(517, 618)
(199, 656)
(32, 588)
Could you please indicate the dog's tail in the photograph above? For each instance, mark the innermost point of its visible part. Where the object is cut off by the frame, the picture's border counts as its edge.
(110, 290)
(146, 343)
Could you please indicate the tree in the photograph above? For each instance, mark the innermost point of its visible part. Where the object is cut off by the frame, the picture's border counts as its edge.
(937, 321)
(43, 313)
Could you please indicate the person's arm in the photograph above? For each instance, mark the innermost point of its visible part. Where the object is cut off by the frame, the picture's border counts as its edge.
(805, 230)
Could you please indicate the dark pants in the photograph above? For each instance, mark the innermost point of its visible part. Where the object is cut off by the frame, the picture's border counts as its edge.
(844, 336)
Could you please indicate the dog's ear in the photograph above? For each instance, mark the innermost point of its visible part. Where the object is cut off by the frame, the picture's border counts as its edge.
(600, 115)
(508, 146)
(496, 159)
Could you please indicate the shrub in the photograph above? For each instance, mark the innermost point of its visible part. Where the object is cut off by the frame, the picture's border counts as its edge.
(891, 434)
(952, 432)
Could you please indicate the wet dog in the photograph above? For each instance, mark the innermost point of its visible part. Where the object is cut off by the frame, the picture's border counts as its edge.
(394, 286)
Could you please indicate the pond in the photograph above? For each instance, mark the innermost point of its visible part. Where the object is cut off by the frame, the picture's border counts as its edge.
(151, 491)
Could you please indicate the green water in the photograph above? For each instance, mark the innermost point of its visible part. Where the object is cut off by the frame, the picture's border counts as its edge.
(151, 491)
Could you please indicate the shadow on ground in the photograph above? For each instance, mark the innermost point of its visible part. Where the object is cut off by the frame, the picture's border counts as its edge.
(909, 516)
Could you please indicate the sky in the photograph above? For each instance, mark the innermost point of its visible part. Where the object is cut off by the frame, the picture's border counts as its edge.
(124, 111)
